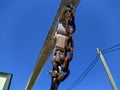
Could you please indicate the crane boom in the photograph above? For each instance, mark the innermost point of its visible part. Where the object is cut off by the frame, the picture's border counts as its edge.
(48, 46)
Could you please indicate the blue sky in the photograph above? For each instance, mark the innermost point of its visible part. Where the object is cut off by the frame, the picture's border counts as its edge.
(24, 25)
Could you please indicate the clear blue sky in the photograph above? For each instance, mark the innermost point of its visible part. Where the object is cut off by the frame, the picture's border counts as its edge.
(24, 25)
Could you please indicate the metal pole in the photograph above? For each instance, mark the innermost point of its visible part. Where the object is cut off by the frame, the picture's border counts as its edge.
(107, 70)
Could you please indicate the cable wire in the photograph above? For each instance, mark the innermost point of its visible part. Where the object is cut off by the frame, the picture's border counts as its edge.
(84, 74)
(89, 68)
(109, 49)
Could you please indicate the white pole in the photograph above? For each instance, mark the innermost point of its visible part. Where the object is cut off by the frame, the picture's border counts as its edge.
(107, 70)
